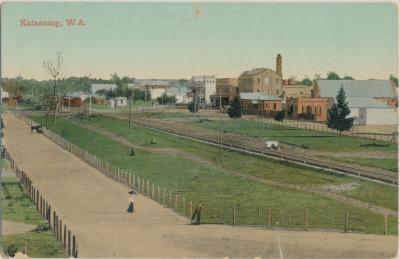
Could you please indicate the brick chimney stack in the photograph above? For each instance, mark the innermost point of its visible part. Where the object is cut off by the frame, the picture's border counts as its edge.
(279, 64)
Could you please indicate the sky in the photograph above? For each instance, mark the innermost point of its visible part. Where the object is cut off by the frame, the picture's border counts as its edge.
(168, 40)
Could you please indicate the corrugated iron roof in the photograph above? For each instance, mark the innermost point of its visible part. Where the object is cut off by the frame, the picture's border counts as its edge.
(365, 102)
(357, 88)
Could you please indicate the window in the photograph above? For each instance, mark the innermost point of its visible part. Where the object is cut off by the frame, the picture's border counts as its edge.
(275, 106)
(277, 91)
(258, 80)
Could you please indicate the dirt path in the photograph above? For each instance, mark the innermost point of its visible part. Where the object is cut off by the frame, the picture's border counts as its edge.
(93, 206)
(10, 227)
(326, 191)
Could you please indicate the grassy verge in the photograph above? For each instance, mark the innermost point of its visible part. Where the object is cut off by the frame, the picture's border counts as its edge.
(4, 164)
(18, 207)
(313, 140)
(218, 191)
(384, 163)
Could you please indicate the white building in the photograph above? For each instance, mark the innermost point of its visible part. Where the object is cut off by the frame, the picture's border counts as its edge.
(180, 93)
(367, 99)
(118, 102)
(204, 87)
(156, 88)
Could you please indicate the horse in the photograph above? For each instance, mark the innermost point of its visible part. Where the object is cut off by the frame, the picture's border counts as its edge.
(38, 128)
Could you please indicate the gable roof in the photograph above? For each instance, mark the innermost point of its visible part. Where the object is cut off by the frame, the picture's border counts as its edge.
(366, 102)
(357, 88)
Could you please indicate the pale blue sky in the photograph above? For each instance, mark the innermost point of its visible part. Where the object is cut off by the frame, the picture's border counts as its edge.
(154, 40)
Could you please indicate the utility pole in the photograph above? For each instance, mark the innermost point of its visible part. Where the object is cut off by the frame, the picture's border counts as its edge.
(220, 128)
(130, 104)
(90, 100)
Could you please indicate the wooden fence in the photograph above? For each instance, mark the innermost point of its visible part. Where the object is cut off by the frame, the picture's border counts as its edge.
(60, 230)
(306, 125)
(266, 217)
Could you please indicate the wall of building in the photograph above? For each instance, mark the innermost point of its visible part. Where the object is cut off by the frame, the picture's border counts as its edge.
(297, 90)
(318, 107)
(266, 81)
(378, 116)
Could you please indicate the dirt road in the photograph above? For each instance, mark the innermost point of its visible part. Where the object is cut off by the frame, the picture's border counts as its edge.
(93, 206)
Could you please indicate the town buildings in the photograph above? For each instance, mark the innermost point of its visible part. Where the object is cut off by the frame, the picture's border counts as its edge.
(262, 80)
(153, 88)
(226, 90)
(260, 104)
(372, 102)
(118, 102)
(202, 87)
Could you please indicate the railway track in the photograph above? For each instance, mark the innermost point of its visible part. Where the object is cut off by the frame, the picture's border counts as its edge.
(253, 146)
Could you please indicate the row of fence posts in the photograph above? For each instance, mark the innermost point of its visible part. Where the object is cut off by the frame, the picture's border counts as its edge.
(60, 231)
(157, 193)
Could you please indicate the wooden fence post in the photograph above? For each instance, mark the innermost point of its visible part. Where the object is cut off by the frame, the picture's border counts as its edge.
(158, 192)
(176, 202)
(190, 208)
(152, 191)
(269, 216)
(49, 215)
(163, 197)
(346, 221)
(386, 225)
(54, 222)
(233, 215)
(60, 231)
(183, 206)
(65, 236)
(306, 221)
(69, 243)
(170, 200)
(73, 245)
(37, 200)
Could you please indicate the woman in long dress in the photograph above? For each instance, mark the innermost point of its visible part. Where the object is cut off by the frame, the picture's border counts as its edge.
(131, 207)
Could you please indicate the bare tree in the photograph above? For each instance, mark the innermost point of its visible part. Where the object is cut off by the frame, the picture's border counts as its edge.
(57, 73)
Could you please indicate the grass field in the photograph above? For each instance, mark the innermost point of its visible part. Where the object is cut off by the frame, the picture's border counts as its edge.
(4, 164)
(18, 207)
(384, 163)
(219, 190)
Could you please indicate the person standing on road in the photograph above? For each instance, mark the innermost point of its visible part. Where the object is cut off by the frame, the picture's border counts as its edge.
(131, 207)
(196, 216)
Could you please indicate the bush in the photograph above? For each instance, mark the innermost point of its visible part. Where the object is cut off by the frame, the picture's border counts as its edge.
(279, 116)
(42, 227)
(193, 107)
(235, 110)
(166, 99)
(11, 250)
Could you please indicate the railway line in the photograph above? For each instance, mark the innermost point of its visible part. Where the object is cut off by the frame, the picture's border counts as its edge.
(253, 146)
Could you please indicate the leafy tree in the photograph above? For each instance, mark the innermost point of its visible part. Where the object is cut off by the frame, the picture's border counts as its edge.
(193, 107)
(306, 81)
(346, 77)
(15, 86)
(332, 76)
(279, 116)
(395, 80)
(235, 110)
(338, 113)
(166, 99)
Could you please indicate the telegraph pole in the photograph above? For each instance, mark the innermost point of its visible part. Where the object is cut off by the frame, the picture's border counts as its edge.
(130, 104)
(220, 128)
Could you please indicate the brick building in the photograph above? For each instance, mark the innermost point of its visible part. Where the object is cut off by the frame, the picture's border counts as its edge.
(261, 104)
(262, 80)
(226, 89)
